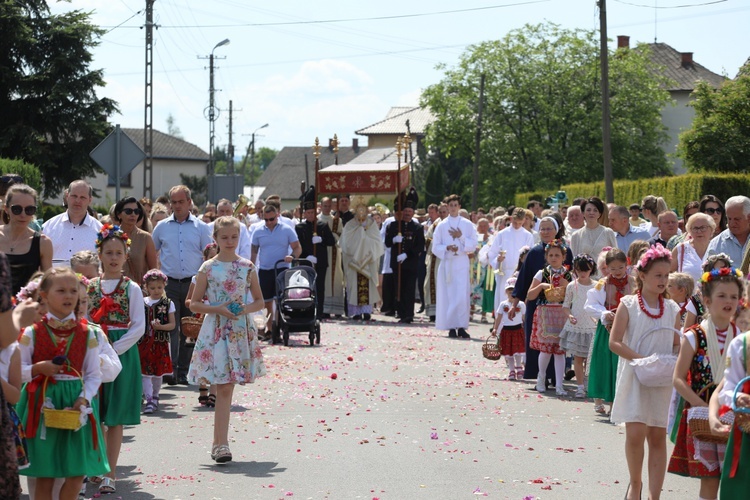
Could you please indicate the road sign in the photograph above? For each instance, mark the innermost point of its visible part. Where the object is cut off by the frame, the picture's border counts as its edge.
(118, 155)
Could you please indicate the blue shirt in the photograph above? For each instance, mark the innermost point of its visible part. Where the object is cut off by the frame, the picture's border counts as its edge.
(633, 234)
(180, 245)
(273, 245)
(726, 242)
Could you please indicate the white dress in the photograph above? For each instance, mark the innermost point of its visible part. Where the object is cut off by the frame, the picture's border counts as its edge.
(635, 402)
(689, 262)
(576, 339)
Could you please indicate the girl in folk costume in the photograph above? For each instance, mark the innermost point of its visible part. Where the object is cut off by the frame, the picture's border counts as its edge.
(741, 317)
(227, 351)
(60, 365)
(602, 302)
(578, 332)
(153, 347)
(700, 368)
(645, 324)
(549, 317)
(10, 378)
(681, 287)
(512, 338)
(116, 303)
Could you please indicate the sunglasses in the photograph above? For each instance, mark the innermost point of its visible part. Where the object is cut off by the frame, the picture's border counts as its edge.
(269, 220)
(131, 211)
(11, 178)
(711, 211)
(17, 209)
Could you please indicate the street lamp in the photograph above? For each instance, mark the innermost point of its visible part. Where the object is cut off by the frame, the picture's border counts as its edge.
(212, 116)
(251, 153)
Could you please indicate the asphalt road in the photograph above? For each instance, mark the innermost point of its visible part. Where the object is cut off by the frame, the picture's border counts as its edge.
(409, 414)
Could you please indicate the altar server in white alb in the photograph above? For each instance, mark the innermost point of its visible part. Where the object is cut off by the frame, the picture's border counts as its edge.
(506, 249)
(454, 240)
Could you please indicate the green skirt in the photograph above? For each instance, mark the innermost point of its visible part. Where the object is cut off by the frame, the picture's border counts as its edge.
(603, 372)
(121, 399)
(488, 301)
(739, 485)
(58, 452)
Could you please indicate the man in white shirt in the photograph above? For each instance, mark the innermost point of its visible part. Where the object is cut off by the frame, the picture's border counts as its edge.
(224, 209)
(453, 241)
(73, 230)
(506, 249)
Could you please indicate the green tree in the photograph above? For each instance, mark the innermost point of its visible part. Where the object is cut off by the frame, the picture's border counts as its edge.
(198, 185)
(172, 128)
(541, 123)
(719, 139)
(51, 116)
(30, 173)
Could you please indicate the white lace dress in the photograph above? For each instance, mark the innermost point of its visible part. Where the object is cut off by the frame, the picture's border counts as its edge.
(635, 402)
(576, 339)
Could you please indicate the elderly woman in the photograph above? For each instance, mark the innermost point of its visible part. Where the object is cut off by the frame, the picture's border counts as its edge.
(28, 251)
(688, 256)
(129, 215)
(595, 235)
(550, 228)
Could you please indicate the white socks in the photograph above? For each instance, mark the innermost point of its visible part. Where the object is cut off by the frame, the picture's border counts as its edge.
(151, 386)
(544, 358)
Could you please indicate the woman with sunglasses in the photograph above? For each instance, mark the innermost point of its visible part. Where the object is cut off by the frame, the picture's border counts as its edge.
(28, 250)
(129, 215)
(713, 206)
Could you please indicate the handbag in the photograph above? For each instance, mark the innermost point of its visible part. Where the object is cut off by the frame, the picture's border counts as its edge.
(552, 320)
(657, 369)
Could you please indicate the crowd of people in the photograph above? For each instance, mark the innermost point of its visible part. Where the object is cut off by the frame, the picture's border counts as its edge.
(644, 307)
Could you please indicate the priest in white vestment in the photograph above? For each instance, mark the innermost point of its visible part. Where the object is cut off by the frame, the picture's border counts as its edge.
(454, 240)
(505, 251)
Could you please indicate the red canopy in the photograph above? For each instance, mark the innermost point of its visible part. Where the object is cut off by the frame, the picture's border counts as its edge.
(363, 178)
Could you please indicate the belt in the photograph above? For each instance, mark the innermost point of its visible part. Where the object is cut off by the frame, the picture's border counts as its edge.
(182, 280)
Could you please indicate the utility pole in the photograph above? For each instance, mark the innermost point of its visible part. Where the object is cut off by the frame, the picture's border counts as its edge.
(212, 114)
(148, 110)
(475, 187)
(251, 153)
(606, 131)
(230, 147)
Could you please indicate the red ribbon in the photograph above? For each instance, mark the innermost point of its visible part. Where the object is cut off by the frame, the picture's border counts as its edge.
(106, 306)
(35, 407)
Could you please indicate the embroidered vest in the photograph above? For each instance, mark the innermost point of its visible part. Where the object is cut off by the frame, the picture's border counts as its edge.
(547, 278)
(700, 374)
(45, 348)
(159, 312)
(120, 314)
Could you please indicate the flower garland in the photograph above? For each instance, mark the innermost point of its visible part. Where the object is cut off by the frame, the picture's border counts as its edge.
(717, 273)
(28, 291)
(111, 231)
(643, 307)
(656, 251)
(154, 274)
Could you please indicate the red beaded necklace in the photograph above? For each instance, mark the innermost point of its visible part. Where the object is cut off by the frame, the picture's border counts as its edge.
(642, 305)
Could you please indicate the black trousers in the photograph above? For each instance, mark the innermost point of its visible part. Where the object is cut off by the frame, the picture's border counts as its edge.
(389, 293)
(421, 275)
(181, 352)
(408, 291)
(320, 290)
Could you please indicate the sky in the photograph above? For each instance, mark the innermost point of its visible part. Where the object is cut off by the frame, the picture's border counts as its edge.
(314, 68)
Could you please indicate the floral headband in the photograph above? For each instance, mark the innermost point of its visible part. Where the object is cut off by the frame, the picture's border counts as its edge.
(654, 253)
(556, 244)
(82, 279)
(584, 257)
(28, 291)
(718, 273)
(210, 245)
(744, 305)
(711, 261)
(111, 231)
(154, 274)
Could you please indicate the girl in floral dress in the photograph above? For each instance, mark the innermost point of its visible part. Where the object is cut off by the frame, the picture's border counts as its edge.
(116, 304)
(700, 368)
(227, 351)
(153, 348)
(554, 275)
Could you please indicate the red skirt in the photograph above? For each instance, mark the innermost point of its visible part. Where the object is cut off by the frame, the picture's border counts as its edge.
(155, 355)
(512, 340)
(544, 341)
(683, 461)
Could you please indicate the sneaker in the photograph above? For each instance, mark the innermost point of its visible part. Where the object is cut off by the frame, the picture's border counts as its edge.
(561, 391)
(155, 402)
(452, 333)
(580, 393)
(149, 408)
(540, 387)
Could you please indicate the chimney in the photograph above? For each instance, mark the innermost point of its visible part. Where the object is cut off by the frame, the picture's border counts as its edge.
(623, 42)
(355, 144)
(687, 59)
(330, 144)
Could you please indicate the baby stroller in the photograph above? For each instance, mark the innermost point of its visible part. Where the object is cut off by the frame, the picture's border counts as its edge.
(296, 301)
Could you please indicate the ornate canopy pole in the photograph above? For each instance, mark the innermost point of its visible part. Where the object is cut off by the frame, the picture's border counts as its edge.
(399, 213)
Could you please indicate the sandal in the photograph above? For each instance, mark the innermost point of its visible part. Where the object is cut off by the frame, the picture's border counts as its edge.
(107, 486)
(96, 479)
(221, 454)
(600, 409)
(203, 396)
(519, 373)
(511, 375)
(211, 402)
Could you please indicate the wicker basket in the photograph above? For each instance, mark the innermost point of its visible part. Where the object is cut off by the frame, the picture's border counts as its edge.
(69, 420)
(697, 419)
(491, 348)
(741, 413)
(191, 326)
(555, 294)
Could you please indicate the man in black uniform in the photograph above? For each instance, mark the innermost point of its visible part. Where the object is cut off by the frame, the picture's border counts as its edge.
(406, 241)
(343, 209)
(314, 236)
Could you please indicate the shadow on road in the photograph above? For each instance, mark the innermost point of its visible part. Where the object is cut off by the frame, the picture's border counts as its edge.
(250, 469)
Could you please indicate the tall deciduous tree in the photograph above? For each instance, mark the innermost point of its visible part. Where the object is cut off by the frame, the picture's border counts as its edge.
(542, 113)
(719, 139)
(51, 116)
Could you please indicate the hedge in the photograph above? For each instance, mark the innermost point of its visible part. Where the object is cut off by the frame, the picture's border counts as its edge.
(677, 191)
(30, 173)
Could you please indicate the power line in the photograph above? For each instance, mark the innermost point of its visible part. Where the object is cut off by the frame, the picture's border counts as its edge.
(357, 19)
(684, 6)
